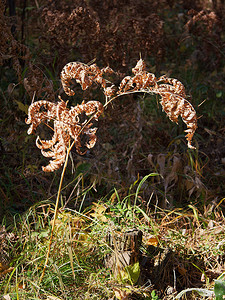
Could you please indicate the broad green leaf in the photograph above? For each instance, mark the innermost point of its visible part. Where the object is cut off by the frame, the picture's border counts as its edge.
(22, 107)
(219, 289)
(219, 94)
(130, 273)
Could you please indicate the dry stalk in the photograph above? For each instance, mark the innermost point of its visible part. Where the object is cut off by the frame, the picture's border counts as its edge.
(55, 215)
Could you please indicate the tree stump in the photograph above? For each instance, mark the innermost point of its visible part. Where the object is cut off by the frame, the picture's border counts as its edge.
(125, 250)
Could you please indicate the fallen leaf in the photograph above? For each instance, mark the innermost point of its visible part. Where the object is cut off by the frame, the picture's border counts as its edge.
(122, 294)
(152, 241)
(7, 297)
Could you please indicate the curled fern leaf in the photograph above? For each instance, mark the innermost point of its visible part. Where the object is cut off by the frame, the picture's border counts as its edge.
(67, 126)
(171, 91)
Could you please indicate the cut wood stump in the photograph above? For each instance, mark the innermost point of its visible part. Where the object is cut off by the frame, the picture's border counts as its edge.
(125, 250)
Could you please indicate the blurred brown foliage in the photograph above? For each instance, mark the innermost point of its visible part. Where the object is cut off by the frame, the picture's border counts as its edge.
(207, 27)
(10, 48)
(114, 33)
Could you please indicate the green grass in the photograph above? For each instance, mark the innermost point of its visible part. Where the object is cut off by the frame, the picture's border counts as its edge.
(76, 267)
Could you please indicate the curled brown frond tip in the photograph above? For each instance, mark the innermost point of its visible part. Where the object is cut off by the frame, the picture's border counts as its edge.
(68, 125)
(175, 106)
(171, 91)
(85, 75)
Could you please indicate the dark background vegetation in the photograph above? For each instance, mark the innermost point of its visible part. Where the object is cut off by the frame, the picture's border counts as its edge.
(183, 39)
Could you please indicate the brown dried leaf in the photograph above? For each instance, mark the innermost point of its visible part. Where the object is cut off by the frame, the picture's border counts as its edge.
(174, 105)
(67, 126)
(172, 94)
(83, 74)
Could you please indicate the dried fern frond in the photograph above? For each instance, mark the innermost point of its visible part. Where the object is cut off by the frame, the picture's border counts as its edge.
(67, 126)
(171, 91)
(56, 147)
(75, 127)
(175, 106)
(76, 71)
(76, 123)
(171, 84)
(85, 75)
(140, 80)
(39, 112)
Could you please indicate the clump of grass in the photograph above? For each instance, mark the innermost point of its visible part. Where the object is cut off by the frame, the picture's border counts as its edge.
(75, 265)
(76, 268)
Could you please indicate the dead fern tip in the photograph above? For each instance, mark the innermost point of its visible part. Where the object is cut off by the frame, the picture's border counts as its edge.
(85, 76)
(171, 91)
(67, 127)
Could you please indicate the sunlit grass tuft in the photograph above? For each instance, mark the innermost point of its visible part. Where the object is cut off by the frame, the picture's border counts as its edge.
(193, 244)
